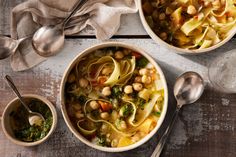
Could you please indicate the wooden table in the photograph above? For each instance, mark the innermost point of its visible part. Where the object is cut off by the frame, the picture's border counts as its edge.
(206, 128)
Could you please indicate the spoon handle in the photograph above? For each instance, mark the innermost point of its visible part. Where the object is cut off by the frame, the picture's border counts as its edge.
(78, 5)
(160, 145)
(13, 87)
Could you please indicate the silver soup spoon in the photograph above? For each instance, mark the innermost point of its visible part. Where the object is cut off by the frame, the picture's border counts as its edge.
(187, 89)
(34, 118)
(48, 40)
(8, 46)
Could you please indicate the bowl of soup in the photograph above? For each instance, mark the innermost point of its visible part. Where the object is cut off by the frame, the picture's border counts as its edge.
(15, 122)
(113, 97)
(189, 27)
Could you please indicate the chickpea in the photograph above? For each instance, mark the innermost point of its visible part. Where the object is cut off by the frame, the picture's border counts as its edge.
(168, 11)
(162, 16)
(114, 143)
(126, 51)
(146, 79)
(163, 35)
(123, 125)
(191, 10)
(104, 115)
(173, 4)
(107, 70)
(230, 19)
(106, 91)
(152, 71)
(216, 4)
(137, 86)
(104, 127)
(128, 89)
(206, 3)
(36, 120)
(94, 105)
(119, 55)
(143, 71)
(79, 115)
(135, 138)
(108, 139)
(76, 107)
(71, 78)
(83, 82)
(138, 79)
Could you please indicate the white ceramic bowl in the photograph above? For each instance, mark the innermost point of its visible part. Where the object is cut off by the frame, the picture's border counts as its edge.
(63, 107)
(177, 49)
(6, 120)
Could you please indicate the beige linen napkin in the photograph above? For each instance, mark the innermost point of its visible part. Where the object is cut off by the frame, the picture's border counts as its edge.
(102, 15)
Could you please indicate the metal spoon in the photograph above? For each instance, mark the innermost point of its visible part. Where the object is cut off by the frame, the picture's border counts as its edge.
(48, 40)
(8, 46)
(34, 118)
(187, 89)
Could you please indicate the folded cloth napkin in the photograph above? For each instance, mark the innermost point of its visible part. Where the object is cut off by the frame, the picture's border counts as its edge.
(102, 15)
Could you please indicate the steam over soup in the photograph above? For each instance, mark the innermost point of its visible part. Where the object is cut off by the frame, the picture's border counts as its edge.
(114, 97)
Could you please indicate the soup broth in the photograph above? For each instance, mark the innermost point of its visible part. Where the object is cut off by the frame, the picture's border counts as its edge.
(114, 96)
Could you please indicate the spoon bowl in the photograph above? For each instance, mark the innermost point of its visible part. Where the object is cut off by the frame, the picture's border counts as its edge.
(34, 118)
(8, 46)
(48, 40)
(188, 88)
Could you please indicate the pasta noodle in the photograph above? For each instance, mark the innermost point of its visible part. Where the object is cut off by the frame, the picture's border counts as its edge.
(114, 97)
(183, 22)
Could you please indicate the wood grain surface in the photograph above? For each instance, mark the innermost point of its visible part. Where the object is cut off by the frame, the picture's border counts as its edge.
(205, 128)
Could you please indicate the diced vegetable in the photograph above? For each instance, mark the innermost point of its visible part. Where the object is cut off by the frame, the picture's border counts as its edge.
(142, 62)
(136, 55)
(105, 105)
(176, 17)
(124, 141)
(146, 125)
(144, 94)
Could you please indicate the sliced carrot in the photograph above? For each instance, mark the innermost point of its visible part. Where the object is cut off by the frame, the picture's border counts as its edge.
(136, 55)
(102, 80)
(105, 105)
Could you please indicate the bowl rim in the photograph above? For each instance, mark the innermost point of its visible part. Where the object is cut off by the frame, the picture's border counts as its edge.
(178, 50)
(53, 127)
(62, 98)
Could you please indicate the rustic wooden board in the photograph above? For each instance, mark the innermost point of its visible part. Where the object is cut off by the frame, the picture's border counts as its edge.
(206, 128)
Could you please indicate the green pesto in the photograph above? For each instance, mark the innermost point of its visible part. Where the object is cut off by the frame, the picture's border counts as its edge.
(21, 127)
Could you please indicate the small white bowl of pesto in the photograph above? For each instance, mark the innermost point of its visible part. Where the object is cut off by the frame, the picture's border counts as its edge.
(16, 125)
(114, 97)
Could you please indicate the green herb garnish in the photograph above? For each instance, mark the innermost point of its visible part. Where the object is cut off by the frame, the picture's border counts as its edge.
(23, 130)
(157, 113)
(142, 62)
